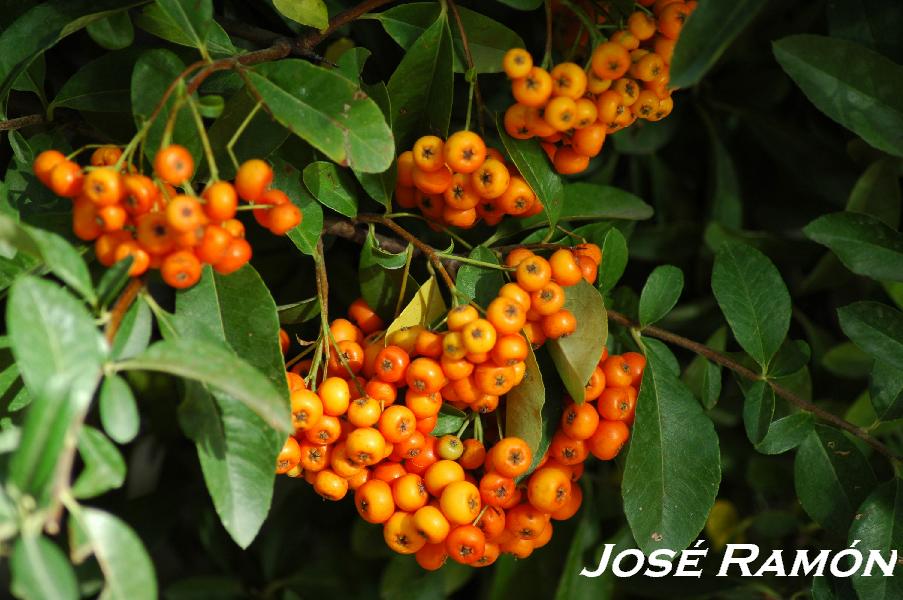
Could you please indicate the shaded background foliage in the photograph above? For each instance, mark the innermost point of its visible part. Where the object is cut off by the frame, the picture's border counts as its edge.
(747, 156)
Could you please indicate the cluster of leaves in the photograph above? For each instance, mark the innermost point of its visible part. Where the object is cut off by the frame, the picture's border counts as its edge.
(819, 114)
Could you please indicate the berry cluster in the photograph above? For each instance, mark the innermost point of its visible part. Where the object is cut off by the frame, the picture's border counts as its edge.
(368, 427)
(460, 181)
(126, 213)
(571, 110)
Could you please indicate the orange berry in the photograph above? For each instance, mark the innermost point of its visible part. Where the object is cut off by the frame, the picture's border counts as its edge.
(429, 154)
(174, 164)
(66, 179)
(252, 179)
(568, 79)
(103, 186)
(236, 255)
(517, 63)
(184, 213)
(44, 164)
(181, 269)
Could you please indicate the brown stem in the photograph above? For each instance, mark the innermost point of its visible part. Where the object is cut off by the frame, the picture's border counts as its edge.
(344, 228)
(121, 307)
(21, 122)
(725, 361)
(477, 95)
(426, 249)
(341, 19)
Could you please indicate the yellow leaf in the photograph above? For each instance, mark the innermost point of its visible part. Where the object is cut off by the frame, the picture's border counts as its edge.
(426, 306)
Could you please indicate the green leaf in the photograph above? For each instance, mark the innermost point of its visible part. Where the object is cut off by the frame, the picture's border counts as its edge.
(786, 433)
(858, 88)
(426, 306)
(422, 86)
(60, 256)
(50, 431)
(380, 274)
(288, 179)
(306, 12)
(792, 356)
(758, 410)
(127, 569)
(239, 310)
(114, 32)
(877, 193)
(32, 80)
(118, 410)
(41, 27)
(380, 186)
(449, 422)
(51, 333)
(532, 410)
(351, 63)
(206, 362)
(876, 328)
(879, 526)
(886, 391)
(299, 312)
(727, 200)
(152, 76)
(832, 477)
(673, 466)
(211, 106)
(664, 355)
(154, 20)
(863, 243)
(706, 35)
(614, 260)
(191, 17)
(113, 281)
(134, 333)
(480, 283)
(328, 111)
(40, 570)
(488, 40)
(577, 355)
(236, 448)
(102, 85)
(592, 202)
(753, 298)
(104, 468)
(524, 403)
(704, 377)
(660, 294)
(237, 452)
(334, 188)
(530, 160)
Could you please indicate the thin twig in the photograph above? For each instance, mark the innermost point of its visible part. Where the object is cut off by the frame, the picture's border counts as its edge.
(322, 292)
(725, 361)
(21, 122)
(470, 65)
(426, 249)
(340, 20)
(121, 307)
